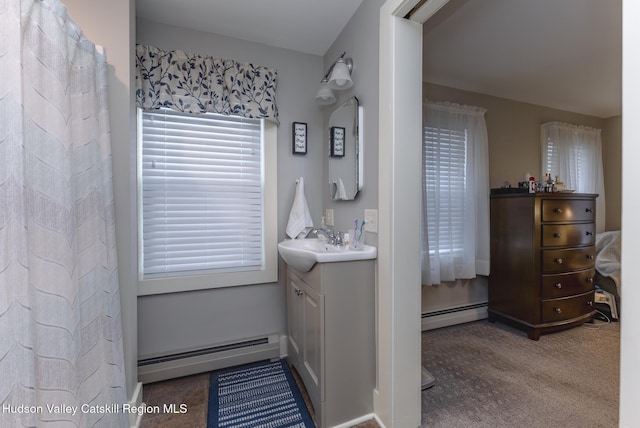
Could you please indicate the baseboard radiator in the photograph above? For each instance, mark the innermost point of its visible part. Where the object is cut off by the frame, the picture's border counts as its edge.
(453, 316)
(219, 356)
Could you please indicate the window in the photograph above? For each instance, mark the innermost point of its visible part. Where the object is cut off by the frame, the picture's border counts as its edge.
(206, 203)
(574, 154)
(455, 227)
(445, 161)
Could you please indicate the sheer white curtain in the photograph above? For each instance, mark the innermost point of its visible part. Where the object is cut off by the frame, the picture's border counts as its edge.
(60, 329)
(574, 154)
(455, 228)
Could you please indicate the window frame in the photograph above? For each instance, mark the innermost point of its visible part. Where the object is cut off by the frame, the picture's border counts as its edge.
(209, 280)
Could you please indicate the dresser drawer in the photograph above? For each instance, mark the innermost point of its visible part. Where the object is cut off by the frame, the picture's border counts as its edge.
(565, 260)
(566, 235)
(567, 308)
(567, 284)
(568, 210)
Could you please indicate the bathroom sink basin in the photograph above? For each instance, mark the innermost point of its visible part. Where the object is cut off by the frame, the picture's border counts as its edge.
(302, 254)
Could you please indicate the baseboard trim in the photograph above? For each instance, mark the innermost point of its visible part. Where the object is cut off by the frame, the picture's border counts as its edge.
(454, 316)
(284, 352)
(135, 419)
(378, 421)
(217, 356)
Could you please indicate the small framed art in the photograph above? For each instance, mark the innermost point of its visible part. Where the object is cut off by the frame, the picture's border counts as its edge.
(337, 141)
(299, 137)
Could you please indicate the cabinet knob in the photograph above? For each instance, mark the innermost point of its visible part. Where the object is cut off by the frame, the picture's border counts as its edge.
(556, 235)
(557, 210)
(590, 256)
(590, 280)
(558, 260)
(588, 210)
(298, 292)
(557, 310)
(589, 303)
(558, 285)
(589, 233)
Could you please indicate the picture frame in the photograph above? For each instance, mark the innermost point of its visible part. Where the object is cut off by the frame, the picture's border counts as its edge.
(299, 138)
(337, 141)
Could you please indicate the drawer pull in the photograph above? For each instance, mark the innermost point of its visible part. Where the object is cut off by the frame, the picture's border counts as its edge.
(298, 292)
(556, 235)
(589, 233)
(588, 210)
(590, 280)
(590, 256)
(589, 303)
(558, 285)
(557, 210)
(558, 260)
(557, 310)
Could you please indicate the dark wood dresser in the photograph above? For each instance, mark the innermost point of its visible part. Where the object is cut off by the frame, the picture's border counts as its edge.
(542, 260)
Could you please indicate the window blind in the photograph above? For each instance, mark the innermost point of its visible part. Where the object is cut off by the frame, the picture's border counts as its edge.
(551, 152)
(202, 193)
(574, 162)
(445, 159)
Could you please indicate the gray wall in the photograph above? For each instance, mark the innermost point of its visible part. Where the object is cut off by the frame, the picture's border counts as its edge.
(182, 320)
(612, 159)
(168, 322)
(514, 149)
(359, 40)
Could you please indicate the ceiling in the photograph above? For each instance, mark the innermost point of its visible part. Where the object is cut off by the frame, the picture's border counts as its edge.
(309, 26)
(564, 54)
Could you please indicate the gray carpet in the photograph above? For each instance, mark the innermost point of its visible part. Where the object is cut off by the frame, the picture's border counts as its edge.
(490, 375)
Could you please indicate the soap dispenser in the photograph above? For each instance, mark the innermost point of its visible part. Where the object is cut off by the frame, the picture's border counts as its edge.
(323, 227)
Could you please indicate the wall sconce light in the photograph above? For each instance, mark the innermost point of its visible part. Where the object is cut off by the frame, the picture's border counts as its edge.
(325, 94)
(338, 77)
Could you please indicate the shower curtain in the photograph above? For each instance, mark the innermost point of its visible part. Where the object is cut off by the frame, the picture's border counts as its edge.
(61, 360)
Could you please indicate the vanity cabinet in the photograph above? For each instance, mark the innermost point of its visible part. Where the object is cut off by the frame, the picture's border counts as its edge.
(542, 260)
(331, 337)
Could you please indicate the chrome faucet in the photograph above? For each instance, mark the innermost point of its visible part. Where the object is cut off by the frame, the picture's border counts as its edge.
(333, 238)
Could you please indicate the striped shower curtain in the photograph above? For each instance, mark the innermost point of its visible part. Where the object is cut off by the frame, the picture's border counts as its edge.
(61, 360)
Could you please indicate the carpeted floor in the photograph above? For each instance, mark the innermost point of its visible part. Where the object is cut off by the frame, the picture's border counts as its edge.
(487, 375)
(491, 375)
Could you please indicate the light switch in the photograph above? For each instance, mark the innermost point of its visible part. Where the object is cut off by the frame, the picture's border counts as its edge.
(328, 216)
(371, 220)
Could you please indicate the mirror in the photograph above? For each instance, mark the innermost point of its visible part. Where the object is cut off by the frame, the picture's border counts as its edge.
(345, 151)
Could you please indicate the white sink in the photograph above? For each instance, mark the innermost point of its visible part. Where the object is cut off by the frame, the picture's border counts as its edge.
(302, 254)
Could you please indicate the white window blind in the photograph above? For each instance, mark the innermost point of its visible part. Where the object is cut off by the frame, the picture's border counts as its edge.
(202, 194)
(573, 162)
(445, 160)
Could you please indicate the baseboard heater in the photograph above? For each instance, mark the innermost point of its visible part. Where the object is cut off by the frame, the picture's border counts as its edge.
(453, 316)
(188, 362)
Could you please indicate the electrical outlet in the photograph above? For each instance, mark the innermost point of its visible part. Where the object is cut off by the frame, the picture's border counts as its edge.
(328, 216)
(371, 220)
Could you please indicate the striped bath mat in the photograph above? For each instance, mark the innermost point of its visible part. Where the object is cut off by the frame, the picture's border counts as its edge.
(256, 395)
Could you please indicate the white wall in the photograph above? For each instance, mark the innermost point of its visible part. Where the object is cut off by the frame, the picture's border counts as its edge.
(630, 349)
(170, 322)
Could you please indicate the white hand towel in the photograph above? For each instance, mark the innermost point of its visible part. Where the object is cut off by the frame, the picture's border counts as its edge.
(342, 193)
(337, 190)
(299, 217)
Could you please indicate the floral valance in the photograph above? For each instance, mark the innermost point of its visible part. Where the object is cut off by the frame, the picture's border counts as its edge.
(195, 83)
